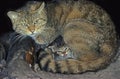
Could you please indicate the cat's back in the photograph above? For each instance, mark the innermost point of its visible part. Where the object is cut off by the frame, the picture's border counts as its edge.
(66, 10)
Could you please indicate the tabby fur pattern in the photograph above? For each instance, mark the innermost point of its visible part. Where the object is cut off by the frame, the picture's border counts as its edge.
(84, 26)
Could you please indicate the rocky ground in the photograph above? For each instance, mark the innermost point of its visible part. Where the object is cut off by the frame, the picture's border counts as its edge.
(18, 69)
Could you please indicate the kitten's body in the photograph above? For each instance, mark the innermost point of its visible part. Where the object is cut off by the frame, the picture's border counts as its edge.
(85, 28)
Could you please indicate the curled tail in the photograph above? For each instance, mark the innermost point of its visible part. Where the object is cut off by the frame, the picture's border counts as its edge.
(72, 66)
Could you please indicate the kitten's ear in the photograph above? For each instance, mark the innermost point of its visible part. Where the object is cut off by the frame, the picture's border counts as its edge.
(12, 15)
(41, 7)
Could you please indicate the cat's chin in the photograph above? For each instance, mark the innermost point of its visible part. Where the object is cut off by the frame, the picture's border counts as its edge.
(39, 41)
(33, 36)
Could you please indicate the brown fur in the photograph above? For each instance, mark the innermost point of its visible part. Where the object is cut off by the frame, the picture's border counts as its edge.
(85, 27)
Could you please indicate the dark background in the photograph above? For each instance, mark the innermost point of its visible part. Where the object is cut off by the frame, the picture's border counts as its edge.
(111, 6)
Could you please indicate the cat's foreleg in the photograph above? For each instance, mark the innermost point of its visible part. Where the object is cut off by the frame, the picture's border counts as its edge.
(23, 49)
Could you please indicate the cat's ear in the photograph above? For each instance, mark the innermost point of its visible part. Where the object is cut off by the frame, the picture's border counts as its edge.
(42, 7)
(12, 15)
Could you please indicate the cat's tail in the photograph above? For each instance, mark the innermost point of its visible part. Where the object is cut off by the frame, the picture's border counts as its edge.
(72, 66)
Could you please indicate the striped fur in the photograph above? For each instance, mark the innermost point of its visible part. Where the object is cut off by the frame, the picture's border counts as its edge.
(85, 27)
(72, 66)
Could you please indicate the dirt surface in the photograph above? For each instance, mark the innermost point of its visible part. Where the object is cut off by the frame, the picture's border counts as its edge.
(19, 69)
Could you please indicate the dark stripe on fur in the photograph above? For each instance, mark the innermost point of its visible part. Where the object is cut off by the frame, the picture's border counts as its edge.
(46, 65)
(57, 67)
(68, 66)
(44, 55)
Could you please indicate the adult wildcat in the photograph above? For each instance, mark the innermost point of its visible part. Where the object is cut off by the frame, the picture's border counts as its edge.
(85, 28)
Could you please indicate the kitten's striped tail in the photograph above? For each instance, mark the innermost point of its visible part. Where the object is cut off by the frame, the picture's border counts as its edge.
(71, 66)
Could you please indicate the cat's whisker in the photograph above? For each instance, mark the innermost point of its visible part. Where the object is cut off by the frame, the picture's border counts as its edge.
(16, 38)
(22, 37)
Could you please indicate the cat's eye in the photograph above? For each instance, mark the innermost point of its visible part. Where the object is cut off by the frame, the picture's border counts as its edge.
(20, 31)
(24, 22)
(38, 21)
(66, 49)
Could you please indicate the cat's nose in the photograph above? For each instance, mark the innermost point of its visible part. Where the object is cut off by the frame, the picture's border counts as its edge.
(31, 28)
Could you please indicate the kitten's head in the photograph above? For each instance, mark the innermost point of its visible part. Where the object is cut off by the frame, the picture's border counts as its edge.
(30, 19)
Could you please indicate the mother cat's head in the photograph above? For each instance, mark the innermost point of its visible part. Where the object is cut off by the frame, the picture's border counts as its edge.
(30, 19)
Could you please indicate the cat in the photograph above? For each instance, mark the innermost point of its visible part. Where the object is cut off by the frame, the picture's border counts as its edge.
(60, 51)
(85, 27)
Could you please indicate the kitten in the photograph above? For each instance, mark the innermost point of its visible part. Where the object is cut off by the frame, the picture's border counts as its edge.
(61, 53)
(85, 27)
